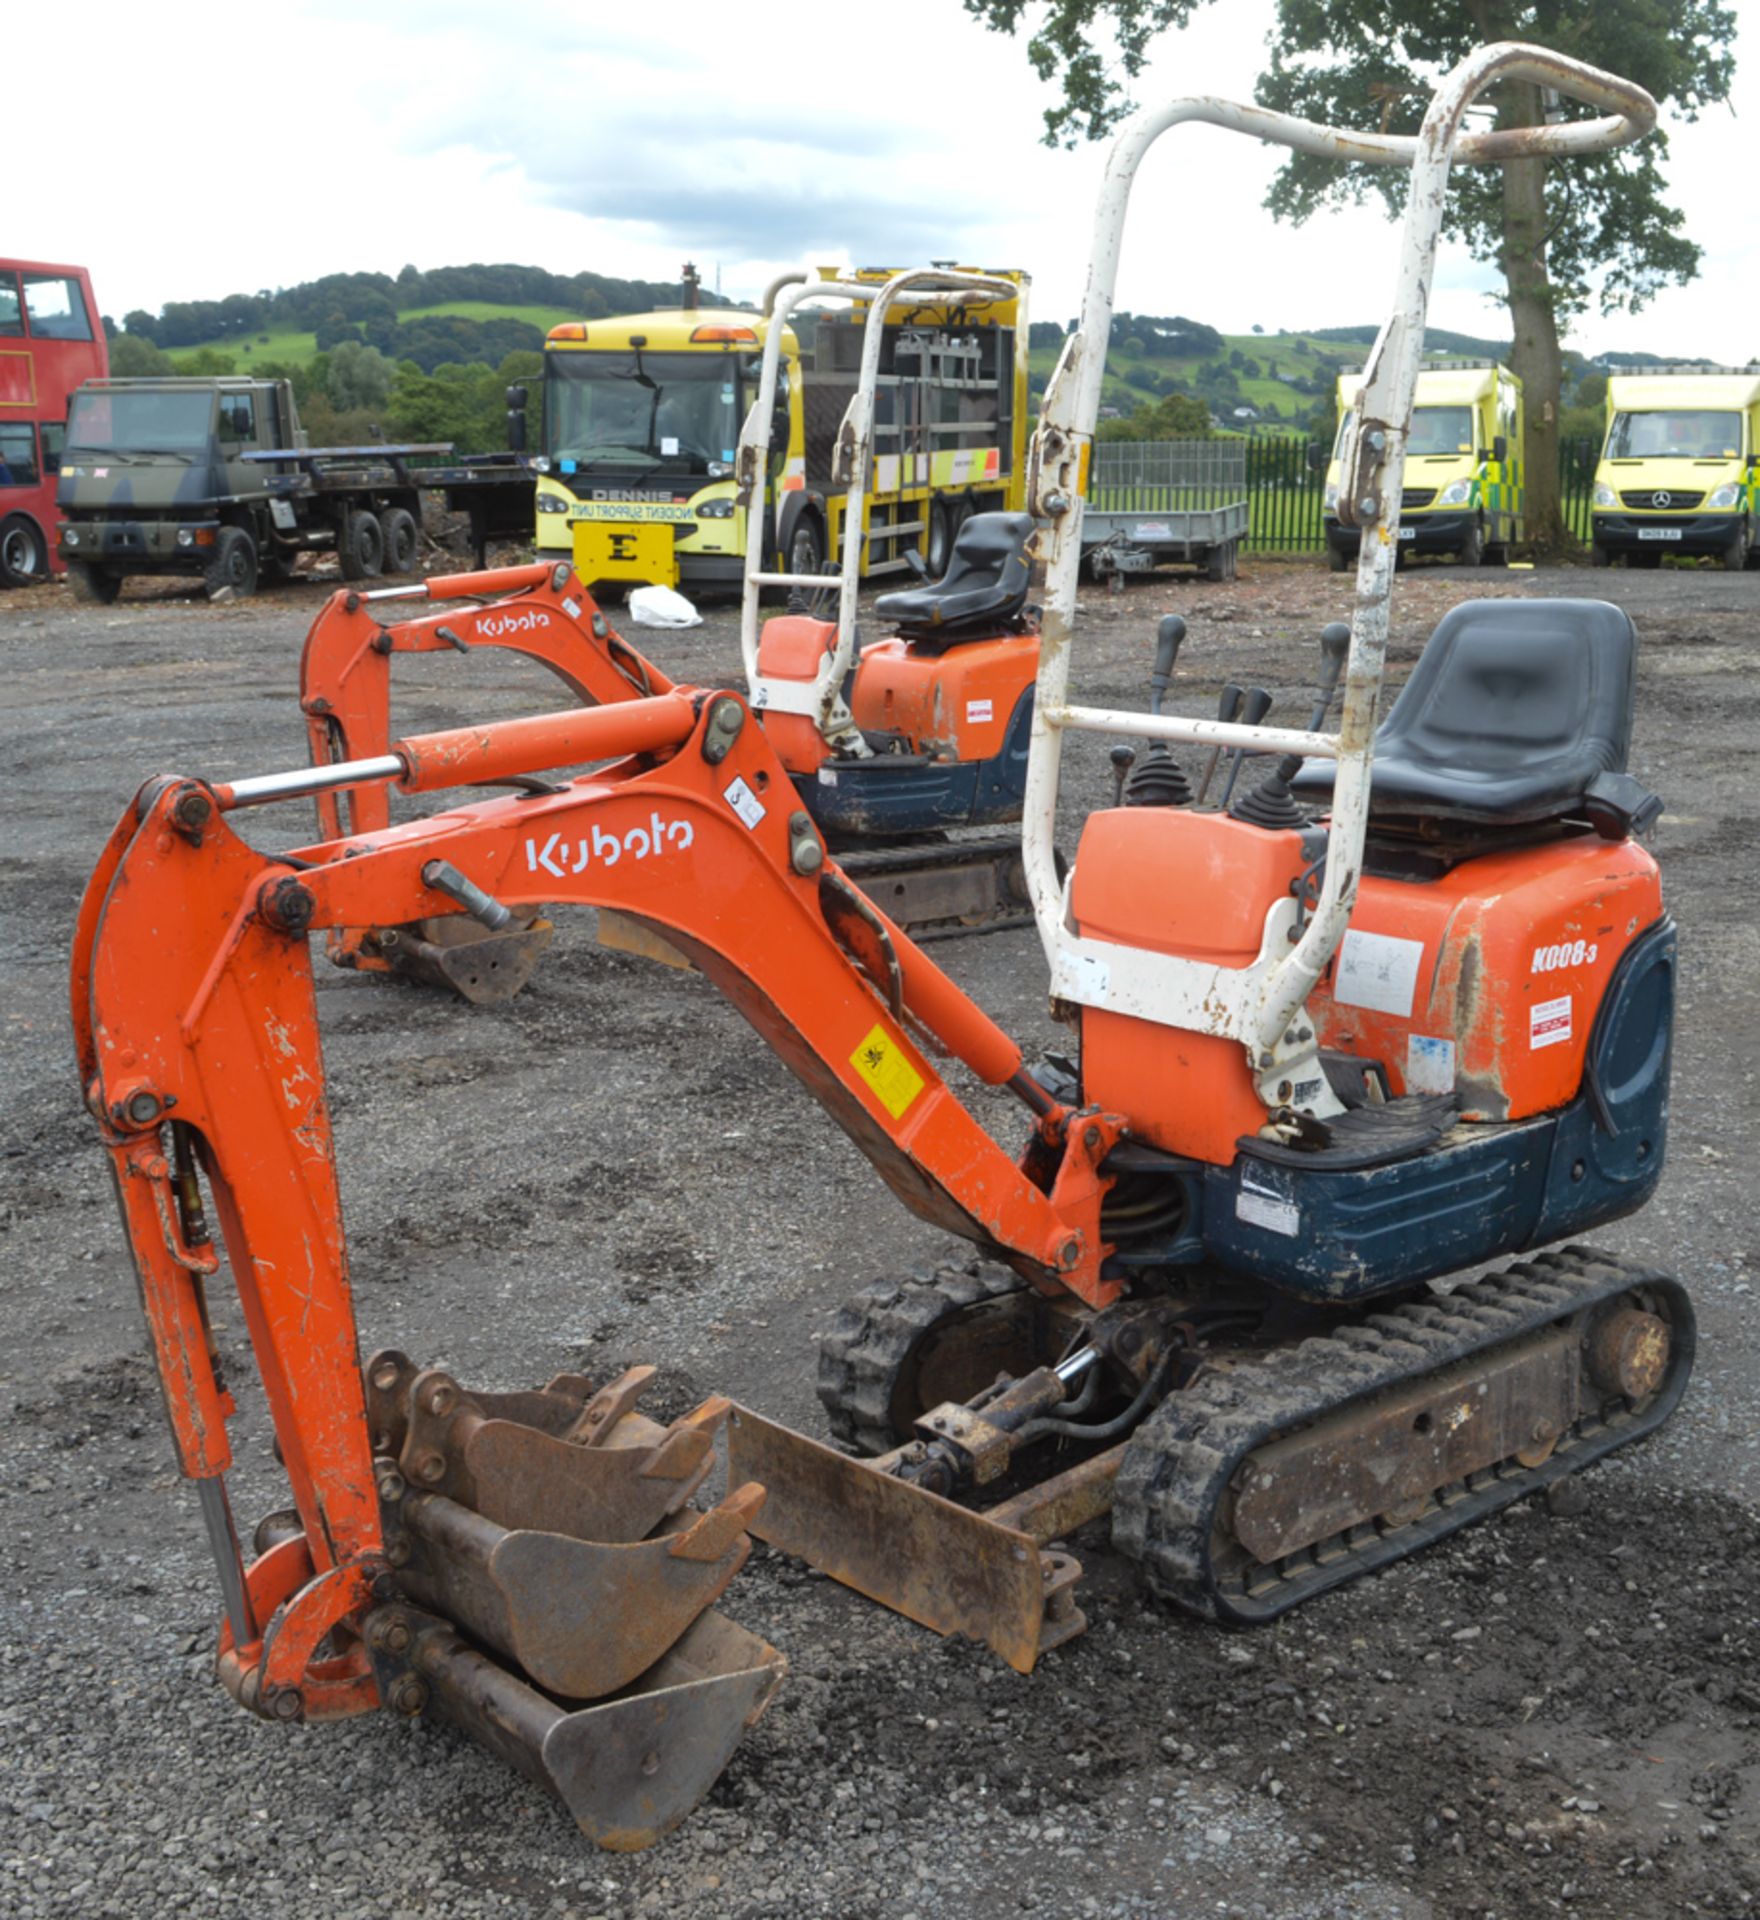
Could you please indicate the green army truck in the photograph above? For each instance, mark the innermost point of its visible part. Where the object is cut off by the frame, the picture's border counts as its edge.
(212, 477)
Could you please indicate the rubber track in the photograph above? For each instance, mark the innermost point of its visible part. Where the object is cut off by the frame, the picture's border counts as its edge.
(1001, 852)
(874, 1335)
(1183, 1458)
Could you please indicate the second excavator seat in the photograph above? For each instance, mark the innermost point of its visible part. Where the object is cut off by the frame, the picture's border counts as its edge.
(1518, 715)
(984, 588)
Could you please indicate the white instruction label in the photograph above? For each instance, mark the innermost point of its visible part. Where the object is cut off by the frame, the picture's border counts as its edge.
(828, 776)
(668, 447)
(1268, 1211)
(745, 803)
(1429, 1064)
(1377, 971)
(1549, 1022)
(979, 710)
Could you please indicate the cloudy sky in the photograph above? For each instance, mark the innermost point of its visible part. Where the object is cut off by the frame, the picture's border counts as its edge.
(451, 131)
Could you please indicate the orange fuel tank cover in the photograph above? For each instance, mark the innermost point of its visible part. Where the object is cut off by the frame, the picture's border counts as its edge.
(792, 645)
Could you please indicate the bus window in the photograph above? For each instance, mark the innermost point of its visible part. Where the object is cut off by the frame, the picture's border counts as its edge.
(55, 307)
(11, 314)
(18, 456)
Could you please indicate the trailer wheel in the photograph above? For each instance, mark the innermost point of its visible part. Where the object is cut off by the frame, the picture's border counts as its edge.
(361, 547)
(1219, 563)
(234, 564)
(24, 556)
(97, 586)
(402, 540)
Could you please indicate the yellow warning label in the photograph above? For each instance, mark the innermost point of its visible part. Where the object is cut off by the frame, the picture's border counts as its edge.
(881, 1061)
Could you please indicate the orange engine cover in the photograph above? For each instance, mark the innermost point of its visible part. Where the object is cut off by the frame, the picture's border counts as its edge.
(1486, 982)
(954, 704)
(1198, 885)
(791, 647)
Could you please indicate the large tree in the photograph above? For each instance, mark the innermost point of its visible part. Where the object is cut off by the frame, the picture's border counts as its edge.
(1561, 233)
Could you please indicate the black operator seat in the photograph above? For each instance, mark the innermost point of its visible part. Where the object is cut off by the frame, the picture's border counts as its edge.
(1518, 713)
(985, 585)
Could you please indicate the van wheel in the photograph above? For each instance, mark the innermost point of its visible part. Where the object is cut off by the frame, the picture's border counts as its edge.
(361, 547)
(234, 564)
(1735, 555)
(24, 556)
(1473, 547)
(97, 586)
(402, 540)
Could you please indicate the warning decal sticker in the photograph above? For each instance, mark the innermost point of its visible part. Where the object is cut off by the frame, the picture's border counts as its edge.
(891, 1078)
(1549, 1022)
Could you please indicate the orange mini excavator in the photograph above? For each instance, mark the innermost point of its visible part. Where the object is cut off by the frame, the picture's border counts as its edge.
(1328, 1055)
(894, 747)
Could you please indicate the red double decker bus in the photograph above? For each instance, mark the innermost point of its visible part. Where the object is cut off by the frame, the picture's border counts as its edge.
(51, 338)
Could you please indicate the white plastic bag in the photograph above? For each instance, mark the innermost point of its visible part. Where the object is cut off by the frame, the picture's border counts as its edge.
(661, 607)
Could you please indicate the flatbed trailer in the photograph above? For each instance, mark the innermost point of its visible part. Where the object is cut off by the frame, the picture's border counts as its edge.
(1157, 503)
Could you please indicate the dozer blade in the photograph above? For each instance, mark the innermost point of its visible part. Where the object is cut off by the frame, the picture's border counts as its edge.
(581, 1617)
(628, 1769)
(936, 1563)
(453, 950)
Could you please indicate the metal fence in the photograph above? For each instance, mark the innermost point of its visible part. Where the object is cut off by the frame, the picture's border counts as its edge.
(1284, 481)
(1167, 476)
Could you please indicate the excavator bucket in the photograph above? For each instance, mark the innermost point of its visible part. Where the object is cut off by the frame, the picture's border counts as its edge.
(453, 950)
(554, 1589)
(942, 1565)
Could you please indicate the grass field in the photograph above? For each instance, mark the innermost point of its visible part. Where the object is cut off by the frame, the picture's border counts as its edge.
(294, 348)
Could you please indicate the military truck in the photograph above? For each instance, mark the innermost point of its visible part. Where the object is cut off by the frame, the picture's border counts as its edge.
(212, 477)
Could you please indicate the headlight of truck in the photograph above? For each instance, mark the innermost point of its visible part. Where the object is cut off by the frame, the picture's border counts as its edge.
(552, 503)
(540, 463)
(1456, 494)
(69, 538)
(715, 510)
(185, 538)
(1605, 495)
(1332, 496)
(1725, 496)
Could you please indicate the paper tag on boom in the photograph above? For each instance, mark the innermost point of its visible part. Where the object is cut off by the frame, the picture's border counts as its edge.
(891, 1078)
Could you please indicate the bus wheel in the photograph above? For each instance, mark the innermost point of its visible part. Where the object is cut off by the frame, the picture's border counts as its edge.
(24, 558)
(98, 586)
(806, 555)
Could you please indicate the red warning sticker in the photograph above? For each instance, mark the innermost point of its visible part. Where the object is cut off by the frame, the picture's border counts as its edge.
(1549, 1022)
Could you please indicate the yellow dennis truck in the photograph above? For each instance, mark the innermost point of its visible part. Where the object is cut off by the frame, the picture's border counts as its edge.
(642, 417)
(1677, 474)
(1463, 490)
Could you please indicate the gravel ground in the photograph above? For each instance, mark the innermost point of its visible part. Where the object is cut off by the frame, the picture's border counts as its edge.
(1556, 1713)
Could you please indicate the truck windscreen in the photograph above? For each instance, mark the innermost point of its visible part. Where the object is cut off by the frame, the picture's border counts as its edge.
(637, 409)
(1675, 434)
(140, 421)
(1441, 430)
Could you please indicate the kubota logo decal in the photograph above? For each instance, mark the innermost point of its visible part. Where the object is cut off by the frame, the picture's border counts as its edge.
(560, 855)
(493, 625)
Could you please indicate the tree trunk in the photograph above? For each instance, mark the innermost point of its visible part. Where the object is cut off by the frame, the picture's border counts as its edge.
(1533, 317)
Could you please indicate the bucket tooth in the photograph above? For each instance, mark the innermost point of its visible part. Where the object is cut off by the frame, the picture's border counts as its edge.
(936, 1563)
(582, 1617)
(629, 1769)
(453, 950)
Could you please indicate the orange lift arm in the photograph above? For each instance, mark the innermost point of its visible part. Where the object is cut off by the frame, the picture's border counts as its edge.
(198, 1042)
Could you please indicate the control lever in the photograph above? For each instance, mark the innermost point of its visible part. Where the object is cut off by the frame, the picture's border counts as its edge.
(1158, 780)
(1271, 805)
(1253, 711)
(1123, 758)
(917, 564)
(1227, 708)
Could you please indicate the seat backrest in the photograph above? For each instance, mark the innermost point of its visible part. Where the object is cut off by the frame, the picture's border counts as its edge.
(1513, 709)
(985, 584)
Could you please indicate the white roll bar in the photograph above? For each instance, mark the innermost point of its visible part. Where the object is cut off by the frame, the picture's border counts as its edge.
(1257, 1005)
(822, 697)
